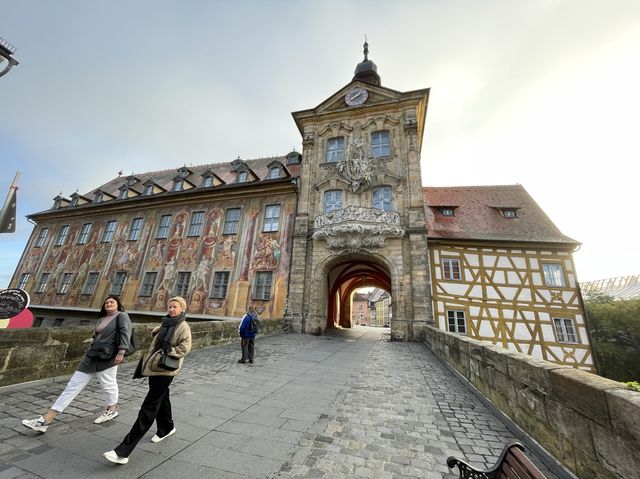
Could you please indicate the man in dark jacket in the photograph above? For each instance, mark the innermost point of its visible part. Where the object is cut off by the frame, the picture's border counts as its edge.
(247, 336)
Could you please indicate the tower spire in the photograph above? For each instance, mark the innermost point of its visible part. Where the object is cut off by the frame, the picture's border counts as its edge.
(367, 71)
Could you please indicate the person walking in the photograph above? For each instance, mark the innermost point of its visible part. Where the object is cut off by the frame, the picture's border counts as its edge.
(162, 362)
(111, 339)
(247, 335)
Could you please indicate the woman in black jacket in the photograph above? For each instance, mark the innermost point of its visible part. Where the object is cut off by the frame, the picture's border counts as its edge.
(101, 360)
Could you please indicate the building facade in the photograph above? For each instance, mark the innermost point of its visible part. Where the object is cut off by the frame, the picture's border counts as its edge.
(296, 236)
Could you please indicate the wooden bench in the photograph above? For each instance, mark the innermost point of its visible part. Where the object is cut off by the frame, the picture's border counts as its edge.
(512, 464)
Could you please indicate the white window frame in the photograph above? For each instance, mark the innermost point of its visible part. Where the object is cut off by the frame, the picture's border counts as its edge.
(178, 185)
(447, 211)
(332, 200)
(163, 227)
(148, 286)
(135, 229)
(42, 282)
(207, 181)
(24, 279)
(335, 149)
(196, 224)
(274, 172)
(90, 284)
(109, 231)
(453, 321)
(553, 275)
(65, 283)
(382, 198)
(117, 285)
(262, 286)
(565, 330)
(42, 237)
(83, 237)
(449, 266)
(231, 224)
(220, 284)
(271, 218)
(182, 284)
(381, 143)
(243, 176)
(62, 235)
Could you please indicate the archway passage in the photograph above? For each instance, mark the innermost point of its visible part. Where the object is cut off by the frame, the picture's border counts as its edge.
(344, 277)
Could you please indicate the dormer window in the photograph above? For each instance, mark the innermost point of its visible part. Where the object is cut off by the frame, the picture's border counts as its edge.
(207, 181)
(178, 185)
(509, 213)
(293, 158)
(60, 202)
(447, 211)
(274, 172)
(148, 189)
(130, 180)
(74, 201)
(98, 197)
(243, 177)
(124, 193)
(183, 172)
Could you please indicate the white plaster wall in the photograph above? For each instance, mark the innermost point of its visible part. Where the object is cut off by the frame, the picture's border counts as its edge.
(472, 259)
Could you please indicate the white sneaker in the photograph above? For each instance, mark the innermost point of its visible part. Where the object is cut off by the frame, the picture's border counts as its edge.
(157, 438)
(108, 415)
(111, 456)
(36, 424)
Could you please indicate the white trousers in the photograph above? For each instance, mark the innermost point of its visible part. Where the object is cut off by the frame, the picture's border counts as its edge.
(78, 382)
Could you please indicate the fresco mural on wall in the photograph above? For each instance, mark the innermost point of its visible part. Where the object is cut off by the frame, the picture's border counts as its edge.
(241, 254)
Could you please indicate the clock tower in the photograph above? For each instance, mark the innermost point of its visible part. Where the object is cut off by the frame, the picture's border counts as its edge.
(360, 219)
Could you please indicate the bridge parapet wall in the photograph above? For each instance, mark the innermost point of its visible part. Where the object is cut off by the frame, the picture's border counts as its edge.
(589, 423)
(38, 353)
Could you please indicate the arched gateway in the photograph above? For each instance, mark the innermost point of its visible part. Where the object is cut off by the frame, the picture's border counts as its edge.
(360, 218)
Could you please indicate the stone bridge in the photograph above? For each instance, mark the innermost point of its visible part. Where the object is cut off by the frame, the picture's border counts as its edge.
(352, 404)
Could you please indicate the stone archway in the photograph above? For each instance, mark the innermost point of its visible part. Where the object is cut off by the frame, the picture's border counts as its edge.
(344, 276)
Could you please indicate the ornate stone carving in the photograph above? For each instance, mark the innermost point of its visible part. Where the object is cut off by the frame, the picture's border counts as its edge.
(308, 143)
(357, 229)
(357, 167)
(411, 130)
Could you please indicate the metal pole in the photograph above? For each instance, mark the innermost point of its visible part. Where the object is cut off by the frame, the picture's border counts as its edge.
(14, 185)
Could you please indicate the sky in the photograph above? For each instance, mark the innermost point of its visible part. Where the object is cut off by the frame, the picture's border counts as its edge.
(540, 93)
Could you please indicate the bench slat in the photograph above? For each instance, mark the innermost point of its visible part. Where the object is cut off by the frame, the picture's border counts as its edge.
(512, 464)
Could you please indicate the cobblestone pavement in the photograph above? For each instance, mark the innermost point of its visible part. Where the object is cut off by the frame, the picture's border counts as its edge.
(350, 405)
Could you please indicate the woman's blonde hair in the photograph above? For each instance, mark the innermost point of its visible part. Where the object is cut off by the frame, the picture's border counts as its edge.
(180, 300)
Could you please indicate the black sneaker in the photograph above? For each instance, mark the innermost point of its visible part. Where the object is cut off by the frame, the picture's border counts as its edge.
(251, 361)
(241, 361)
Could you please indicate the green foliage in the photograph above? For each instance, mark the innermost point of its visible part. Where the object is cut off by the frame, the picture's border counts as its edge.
(615, 331)
(635, 385)
(598, 297)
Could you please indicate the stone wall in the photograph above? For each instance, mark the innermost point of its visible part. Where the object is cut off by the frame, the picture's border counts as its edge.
(589, 423)
(38, 353)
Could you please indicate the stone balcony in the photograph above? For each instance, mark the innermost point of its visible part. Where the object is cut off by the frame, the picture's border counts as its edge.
(356, 229)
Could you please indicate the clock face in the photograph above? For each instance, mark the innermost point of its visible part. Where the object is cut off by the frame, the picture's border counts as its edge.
(356, 96)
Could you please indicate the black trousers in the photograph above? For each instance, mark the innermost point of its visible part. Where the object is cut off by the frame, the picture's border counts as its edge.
(248, 350)
(156, 406)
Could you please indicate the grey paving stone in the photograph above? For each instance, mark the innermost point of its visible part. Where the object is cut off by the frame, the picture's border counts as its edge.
(350, 405)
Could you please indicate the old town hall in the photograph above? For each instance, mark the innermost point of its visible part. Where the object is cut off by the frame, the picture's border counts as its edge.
(296, 236)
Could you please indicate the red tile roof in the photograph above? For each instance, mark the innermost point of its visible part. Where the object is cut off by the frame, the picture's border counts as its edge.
(477, 215)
